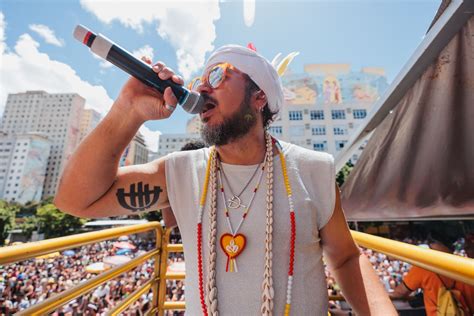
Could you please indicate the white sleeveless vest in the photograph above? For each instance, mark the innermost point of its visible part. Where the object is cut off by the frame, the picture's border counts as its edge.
(312, 179)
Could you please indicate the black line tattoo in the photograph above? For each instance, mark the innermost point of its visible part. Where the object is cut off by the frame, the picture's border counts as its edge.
(139, 197)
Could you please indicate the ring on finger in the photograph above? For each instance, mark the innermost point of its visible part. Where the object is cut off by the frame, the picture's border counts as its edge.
(169, 107)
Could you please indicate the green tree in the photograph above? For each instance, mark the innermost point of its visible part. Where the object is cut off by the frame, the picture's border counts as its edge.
(7, 218)
(29, 225)
(153, 216)
(344, 173)
(54, 223)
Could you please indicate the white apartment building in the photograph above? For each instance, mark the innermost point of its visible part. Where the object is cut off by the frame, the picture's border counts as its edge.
(89, 120)
(57, 116)
(169, 143)
(23, 162)
(194, 125)
(325, 104)
(136, 152)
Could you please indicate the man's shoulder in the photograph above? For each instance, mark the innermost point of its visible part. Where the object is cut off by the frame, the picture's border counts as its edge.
(188, 155)
(305, 155)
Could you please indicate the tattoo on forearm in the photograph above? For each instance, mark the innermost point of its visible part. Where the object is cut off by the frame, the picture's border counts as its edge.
(139, 197)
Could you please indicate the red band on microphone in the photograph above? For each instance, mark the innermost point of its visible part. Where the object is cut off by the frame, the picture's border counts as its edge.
(86, 38)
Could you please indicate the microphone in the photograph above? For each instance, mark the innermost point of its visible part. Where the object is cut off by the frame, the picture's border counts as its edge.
(191, 101)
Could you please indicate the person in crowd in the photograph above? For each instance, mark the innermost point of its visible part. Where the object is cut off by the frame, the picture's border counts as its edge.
(432, 283)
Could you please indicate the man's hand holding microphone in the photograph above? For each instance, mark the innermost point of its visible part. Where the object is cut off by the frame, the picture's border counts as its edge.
(146, 103)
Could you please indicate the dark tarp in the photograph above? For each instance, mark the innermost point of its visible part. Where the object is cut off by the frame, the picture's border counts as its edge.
(419, 162)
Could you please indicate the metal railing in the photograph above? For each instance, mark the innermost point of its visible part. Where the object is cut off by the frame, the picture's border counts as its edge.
(452, 266)
(455, 267)
(31, 250)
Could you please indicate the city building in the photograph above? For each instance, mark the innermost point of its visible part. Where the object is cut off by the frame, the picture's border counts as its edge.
(194, 125)
(325, 104)
(136, 152)
(57, 116)
(89, 120)
(169, 143)
(153, 155)
(23, 163)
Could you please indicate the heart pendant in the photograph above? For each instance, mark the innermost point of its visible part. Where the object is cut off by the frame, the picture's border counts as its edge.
(232, 245)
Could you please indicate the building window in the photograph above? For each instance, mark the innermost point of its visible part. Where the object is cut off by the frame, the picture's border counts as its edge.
(297, 130)
(317, 115)
(360, 114)
(320, 146)
(318, 130)
(276, 130)
(296, 115)
(340, 144)
(338, 114)
(340, 130)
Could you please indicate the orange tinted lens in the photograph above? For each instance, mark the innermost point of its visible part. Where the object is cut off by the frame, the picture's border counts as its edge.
(194, 84)
(216, 76)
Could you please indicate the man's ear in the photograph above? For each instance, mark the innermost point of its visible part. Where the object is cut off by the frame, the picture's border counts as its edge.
(260, 99)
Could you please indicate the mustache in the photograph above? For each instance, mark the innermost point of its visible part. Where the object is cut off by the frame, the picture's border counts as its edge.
(208, 99)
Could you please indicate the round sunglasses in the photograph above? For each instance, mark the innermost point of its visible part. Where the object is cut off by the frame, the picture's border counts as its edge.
(214, 77)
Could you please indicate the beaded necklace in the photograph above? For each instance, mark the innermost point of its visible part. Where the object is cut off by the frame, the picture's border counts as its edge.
(234, 243)
(267, 286)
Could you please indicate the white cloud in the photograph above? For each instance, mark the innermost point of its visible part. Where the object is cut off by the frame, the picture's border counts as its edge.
(145, 51)
(249, 12)
(47, 34)
(104, 64)
(151, 137)
(3, 25)
(188, 27)
(27, 68)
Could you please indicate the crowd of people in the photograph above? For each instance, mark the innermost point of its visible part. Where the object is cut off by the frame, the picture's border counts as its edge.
(29, 282)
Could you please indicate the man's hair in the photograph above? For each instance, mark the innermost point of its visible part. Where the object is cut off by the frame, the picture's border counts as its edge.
(267, 115)
(193, 145)
(441, 236)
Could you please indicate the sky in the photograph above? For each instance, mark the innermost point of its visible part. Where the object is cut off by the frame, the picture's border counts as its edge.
(38, 51)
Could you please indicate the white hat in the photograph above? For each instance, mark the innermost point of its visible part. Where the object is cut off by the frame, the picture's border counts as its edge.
(259, 69)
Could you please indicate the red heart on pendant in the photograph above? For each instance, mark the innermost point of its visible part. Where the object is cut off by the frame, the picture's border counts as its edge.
(232, 245)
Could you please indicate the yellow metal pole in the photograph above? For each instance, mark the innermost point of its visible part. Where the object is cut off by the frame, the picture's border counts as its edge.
(175, 247)
(34, 249)
(175, 305)
(55, 301)
(156, 272)
(131, 298)
(163, 267)
(175, 276)
(452, 266)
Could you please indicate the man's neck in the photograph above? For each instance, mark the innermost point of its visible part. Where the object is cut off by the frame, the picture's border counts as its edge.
(247, 150)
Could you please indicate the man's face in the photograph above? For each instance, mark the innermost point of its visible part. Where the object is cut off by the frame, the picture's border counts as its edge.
(228, 112)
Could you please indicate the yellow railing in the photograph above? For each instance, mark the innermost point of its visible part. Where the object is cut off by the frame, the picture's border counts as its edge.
(452, 266)
(455, 267)
(31, 250)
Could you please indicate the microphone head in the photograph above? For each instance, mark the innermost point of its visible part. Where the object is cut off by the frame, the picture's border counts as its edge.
(80, 32)
(194, 103)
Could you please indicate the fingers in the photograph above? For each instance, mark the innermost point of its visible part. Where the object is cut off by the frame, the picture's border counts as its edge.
(169, 97)
(165, 73)
(146, 59)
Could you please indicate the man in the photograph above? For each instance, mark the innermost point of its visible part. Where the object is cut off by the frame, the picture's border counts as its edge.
(293, 214)
(431, 283)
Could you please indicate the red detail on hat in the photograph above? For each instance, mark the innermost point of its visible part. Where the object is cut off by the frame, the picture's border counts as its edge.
(251, 46)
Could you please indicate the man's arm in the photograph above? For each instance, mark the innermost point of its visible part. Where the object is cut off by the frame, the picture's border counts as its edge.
(400, 292)
(92, 185)
(360, 285)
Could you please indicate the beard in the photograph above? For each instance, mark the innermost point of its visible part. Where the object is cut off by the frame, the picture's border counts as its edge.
(233, 128)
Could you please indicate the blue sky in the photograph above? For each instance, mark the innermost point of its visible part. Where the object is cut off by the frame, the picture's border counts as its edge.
(39, 52)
